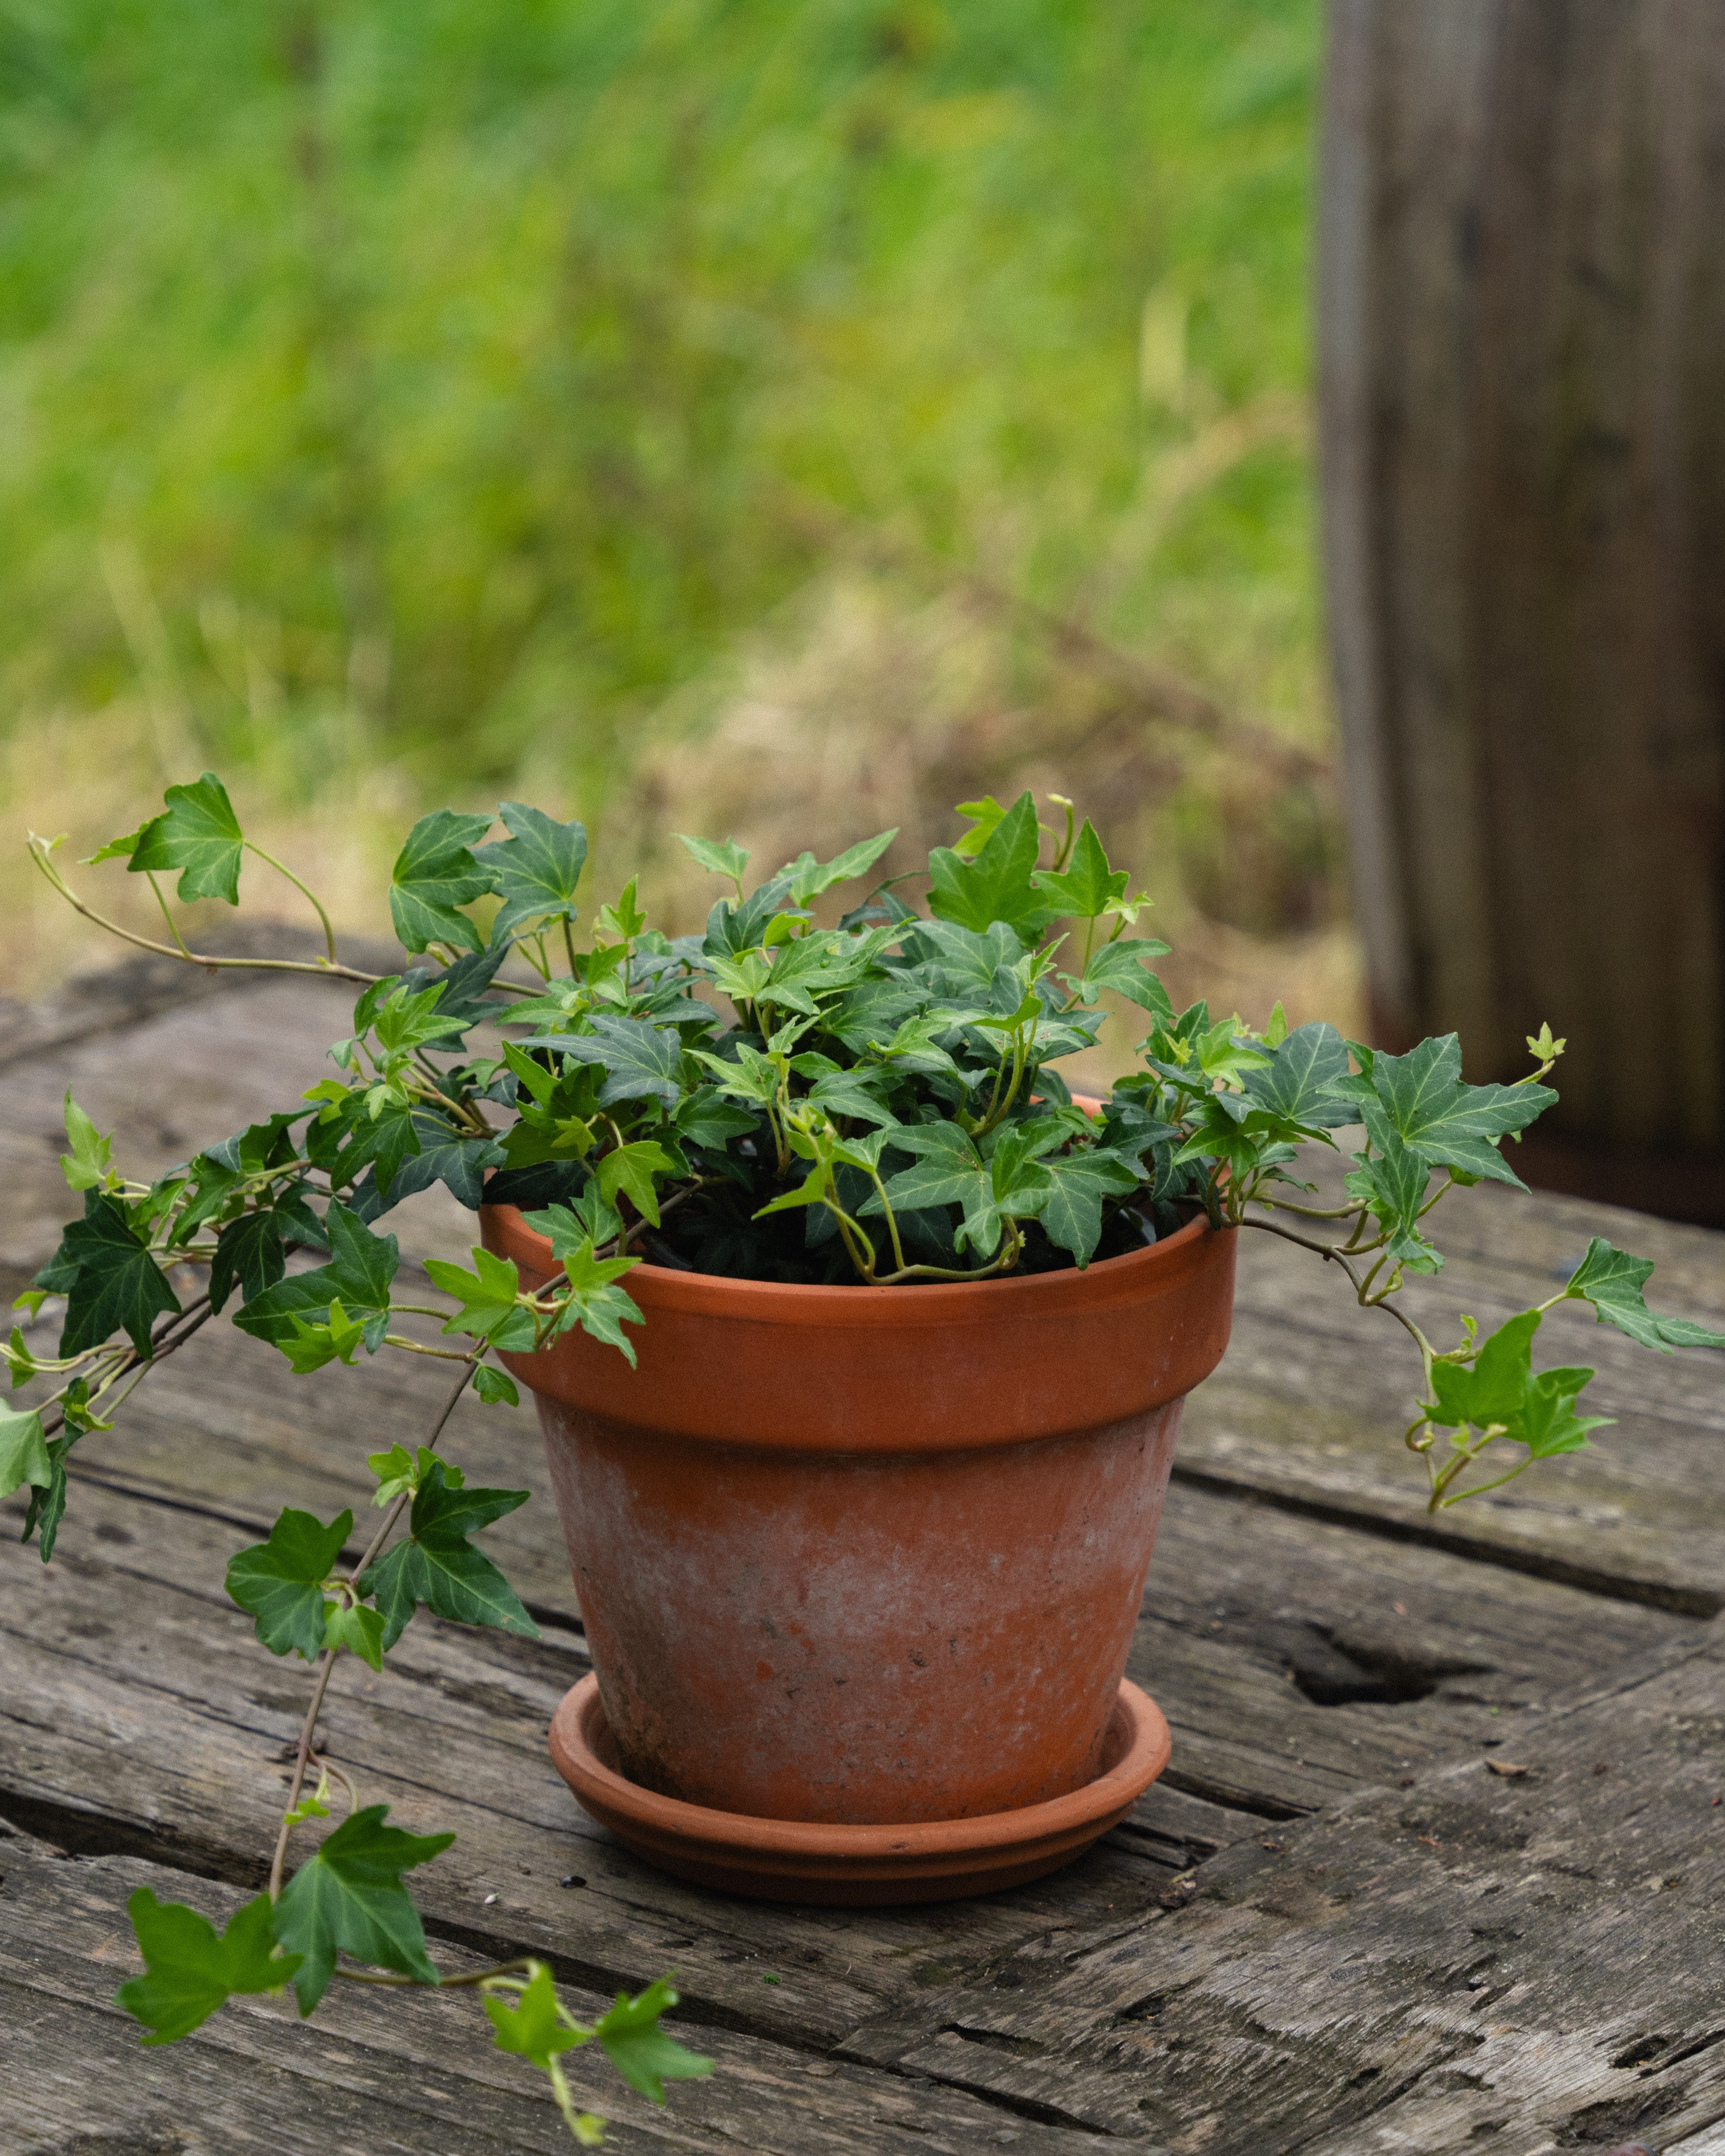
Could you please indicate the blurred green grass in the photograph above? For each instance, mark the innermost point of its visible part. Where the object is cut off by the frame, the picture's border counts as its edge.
(413, 399)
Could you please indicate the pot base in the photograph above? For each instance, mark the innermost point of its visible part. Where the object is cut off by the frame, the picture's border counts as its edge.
(774, 1860)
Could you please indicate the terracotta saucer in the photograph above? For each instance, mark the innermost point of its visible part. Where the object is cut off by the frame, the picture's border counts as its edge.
(791, 1861)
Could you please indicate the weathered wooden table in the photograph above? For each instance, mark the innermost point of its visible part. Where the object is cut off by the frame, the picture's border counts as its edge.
(1333, 1927)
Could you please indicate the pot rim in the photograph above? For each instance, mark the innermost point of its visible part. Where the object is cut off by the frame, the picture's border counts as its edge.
(931, 1301)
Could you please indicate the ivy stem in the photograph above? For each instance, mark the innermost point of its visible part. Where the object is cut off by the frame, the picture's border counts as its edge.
(308, 1728)
(161, 1346)
(1334, 1252)
(443, 1984)
(327, 1662)
(172, 929)
(319, 966)
(281, 868)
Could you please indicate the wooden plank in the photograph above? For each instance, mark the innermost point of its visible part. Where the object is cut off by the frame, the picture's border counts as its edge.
(404, 2075)
(190, 1073)
(1526, 1961)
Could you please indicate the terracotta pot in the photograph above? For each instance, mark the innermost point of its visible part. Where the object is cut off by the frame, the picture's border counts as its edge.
(870, 1556)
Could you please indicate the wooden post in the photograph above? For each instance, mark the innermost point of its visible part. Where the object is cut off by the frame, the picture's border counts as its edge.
(1522, 304)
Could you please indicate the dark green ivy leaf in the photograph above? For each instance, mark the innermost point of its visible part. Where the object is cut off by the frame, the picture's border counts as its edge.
(189, 1971)
(249, 1254)
(1071, 1211)
(199, 835)
(446, 1156)
(1612, 1281)
(117, 1284)
(640, 1061)
(349, 1898)
(1421, 1098)
(537, 867)
(1298, 1083)
(279, 1583)
(360, 1268)
(47, 1507)
(434, 874)
(438, 1566)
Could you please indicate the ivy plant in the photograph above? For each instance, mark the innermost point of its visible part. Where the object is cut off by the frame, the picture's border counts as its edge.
(801, 1091)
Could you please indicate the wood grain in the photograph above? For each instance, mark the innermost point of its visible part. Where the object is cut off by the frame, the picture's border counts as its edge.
(1520, 321)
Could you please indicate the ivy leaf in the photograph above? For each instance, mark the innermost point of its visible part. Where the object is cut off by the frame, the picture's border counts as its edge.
(1503, 1389)
(1124, 966)
(87, 1165)
(727, 859)
(1070, 1211)
(47, 1507)
(1298, 1083)
(533, 2030)
(445, 1156)
(495, 1387)
(640, 1061)
(189, 1971)
(1612, 1281)
(1421, 1098)
(198, 833)
(23, 1454)
(249, 1255)
(537, 867)
(639, 2049)
(489, 1296)
(948, 1169)
(349, 1898)
(808, 878)
(360, 1268)
(996, 885)
(116, 1282)
(309, 1345)
(630, 1169)
(437, 1565)
(985, 817)
(1087, 887)
(949, 1173)
(434, 873)
(1392, 1184)
(352, 1625)
(279, 1583)
(464, 1001)
(705, 1118)
(397, 1471)
(592, 1298)
(848, 1093)
(1492, 1389)
(381, 1139)
(1546, 1423)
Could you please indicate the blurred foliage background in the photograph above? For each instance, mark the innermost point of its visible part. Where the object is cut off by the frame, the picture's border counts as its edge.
(782, 417)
